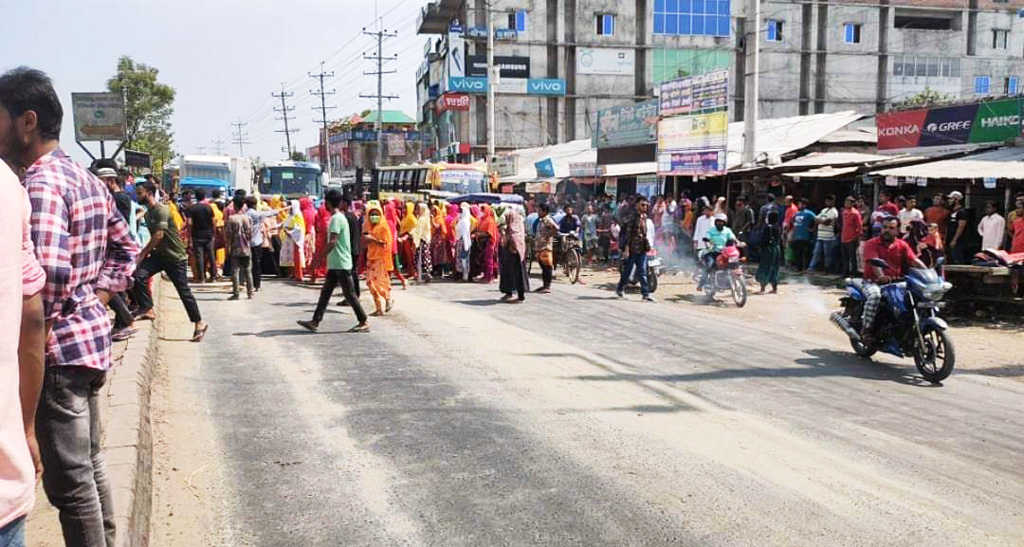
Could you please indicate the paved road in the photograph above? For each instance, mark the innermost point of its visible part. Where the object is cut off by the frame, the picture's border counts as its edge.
(577, 419)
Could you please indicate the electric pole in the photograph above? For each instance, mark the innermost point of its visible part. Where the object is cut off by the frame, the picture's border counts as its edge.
(284, 110)
(201, 149)
(750, 100)
(239, 135)
(325, 157)
(217, 144)
(380, 72)
(490, 87)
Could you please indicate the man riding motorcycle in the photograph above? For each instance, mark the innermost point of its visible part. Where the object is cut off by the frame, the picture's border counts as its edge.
(718, 237)
(900, 257)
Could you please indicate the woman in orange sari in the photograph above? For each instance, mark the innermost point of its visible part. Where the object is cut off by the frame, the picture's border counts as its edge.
(379, 264)
(487, 236)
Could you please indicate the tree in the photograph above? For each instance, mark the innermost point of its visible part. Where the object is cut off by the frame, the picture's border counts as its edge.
(924, 99)
(298, 156)
(148, 108)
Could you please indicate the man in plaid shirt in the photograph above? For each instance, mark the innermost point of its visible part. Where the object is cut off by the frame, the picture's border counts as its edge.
(87, 252)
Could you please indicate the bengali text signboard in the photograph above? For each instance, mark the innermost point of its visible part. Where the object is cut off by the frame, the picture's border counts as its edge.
(98, 116)
(693, 94)
(627, 125)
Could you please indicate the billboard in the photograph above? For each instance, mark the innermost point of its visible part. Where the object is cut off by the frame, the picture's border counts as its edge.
(627, 125)
(546, 86)
(98, 116)
(693, 94)
(698, 162)
(456, 60)
(698, 132)
(467, 85)
(453, 101)
(606, 61)
(978, 123)
(508, 66)
(396, 145)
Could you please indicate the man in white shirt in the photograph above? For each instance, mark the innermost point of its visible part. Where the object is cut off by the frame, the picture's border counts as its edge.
(700, 230)
(825, 246)
(909, 214)
(992, 227)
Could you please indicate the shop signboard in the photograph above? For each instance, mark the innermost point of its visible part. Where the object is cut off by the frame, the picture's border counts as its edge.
(467, 85)
(611, 187)
(98, 116)
(546, 86)
(978, 123)
(545, 168)
(585, 170)
(453, 101)
(456, 55)
(504, 166)
(627, 125)
(695, 162)
(695, 94)
(510, 85)
(508, 66)
(539, 188)
(698, 132)
(396, 145)
(605, 61)
(648, 185)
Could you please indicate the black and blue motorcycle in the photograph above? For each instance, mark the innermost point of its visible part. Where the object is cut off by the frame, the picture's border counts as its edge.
(907, 323)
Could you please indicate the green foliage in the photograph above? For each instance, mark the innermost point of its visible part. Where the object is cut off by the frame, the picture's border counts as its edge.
(298, 156)
(925, 99)
(148, 109)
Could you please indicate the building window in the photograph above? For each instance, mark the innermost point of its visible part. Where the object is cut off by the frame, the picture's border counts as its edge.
(1010, 85)
(605, 24)
(774, 30)
(999, 38)
(691, 17)
(851, 33)
(517, 20)
(981, 85)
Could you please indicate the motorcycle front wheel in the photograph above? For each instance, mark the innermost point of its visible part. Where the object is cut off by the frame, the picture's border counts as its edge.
(936, 359)
(709, 286)
(739, 290)
(572, 266)
(652, 280)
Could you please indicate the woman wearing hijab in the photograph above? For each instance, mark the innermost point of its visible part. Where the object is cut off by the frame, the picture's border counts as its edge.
(421, 238)
(319, 269)
(438, 239)
(406, 249)
(513, 276)
(464, 241)
(391, 217)
(487, 238)
(771, 252)
(379, 258)
(451, 221)
(309, 239)
(293, 242)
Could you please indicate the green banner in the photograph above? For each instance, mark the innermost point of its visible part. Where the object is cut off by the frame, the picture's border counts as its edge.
(996, 121)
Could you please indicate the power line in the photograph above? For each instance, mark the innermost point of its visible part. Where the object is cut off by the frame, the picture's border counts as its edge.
(325, 158)
(283, 95)
(240, 136)
(380, 72)
(217, 143)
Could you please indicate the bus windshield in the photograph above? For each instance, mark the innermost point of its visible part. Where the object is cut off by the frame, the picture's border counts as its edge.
(293, 181)
(463, 181)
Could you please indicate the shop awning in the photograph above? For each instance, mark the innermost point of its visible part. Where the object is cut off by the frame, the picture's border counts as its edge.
(1004, 163)
(779, 136)
(822, 172)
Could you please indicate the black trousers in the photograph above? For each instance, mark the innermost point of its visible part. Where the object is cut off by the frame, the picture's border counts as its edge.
(177, 271)
(122, 316)
(850, 266)
(354, 272)
(206, 258)
(334, 279)
(801, 253)
(257, 265)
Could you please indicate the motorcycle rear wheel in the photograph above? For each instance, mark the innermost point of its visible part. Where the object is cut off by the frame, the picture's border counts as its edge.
(652, 280)
(739, 291)
(572, 266)
(935, 361)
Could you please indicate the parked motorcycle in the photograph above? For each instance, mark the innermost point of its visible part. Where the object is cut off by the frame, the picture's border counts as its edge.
(725, 275)
(655, 268)
(907, 323)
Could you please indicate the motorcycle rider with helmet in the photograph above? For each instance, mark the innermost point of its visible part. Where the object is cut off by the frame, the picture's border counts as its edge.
(900, 257)
(718, 237)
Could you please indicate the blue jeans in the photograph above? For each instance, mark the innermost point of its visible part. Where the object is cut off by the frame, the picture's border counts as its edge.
(823, 249)
(638, 260)
(13, 535)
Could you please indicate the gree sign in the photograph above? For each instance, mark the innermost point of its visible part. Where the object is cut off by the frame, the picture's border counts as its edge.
(458, 84)
(546, 86)
(985, 122)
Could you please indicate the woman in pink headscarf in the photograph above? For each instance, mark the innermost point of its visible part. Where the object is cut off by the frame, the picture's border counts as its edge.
(452, 220)
(513, 278)
(309, 218)
(391, 216)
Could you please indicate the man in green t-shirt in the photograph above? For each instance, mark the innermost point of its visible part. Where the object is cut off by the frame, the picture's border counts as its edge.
(164, 253)
(339, 267)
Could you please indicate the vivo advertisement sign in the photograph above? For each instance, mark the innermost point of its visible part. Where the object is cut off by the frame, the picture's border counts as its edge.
(458, 84)
(546, 86)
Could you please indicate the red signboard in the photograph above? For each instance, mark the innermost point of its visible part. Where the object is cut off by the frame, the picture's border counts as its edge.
(453, 101)
(900, 129)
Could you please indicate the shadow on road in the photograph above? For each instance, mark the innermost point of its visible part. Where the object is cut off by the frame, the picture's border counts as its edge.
(480, 302)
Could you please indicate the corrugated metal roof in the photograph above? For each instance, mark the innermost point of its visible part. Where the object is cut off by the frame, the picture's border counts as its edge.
(1004, 163)
(388, 116)
(778, 136)
(561, 155)
(816, 159)
(823, 172)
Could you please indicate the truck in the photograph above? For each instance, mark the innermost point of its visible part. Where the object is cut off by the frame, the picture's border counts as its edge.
(226, 173)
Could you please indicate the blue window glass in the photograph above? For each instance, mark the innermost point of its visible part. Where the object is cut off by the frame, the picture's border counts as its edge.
(723, 25)
(698, 25)
(684, 6)
(696, 6)
(711, 25)
(774, 33)
(609, 24)
(981, 85)
(659, 23)
(521, 20)
(659, 6)
(692, 17)
(723, 7)
(1011, 85)
(685, 27)
(672, 6)
(672, 24)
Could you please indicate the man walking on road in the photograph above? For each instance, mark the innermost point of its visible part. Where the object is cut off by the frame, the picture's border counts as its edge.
(339, 268)
(238, 232)
(164, 253)
(22, 356)
(635, 247)
(86, 250)
(201, 217)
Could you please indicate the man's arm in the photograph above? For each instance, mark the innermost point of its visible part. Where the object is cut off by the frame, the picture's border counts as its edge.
(119, 263)
(49, 229)
(960, 228)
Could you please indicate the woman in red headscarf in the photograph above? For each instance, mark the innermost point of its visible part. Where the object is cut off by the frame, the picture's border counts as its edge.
(309, 218)
(391, 216)
(487, 237)
(438, 238)
(323, 218)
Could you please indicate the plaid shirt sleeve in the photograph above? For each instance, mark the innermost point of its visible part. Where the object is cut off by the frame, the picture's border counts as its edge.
(119, 265)
(50, 235)
(32, 276)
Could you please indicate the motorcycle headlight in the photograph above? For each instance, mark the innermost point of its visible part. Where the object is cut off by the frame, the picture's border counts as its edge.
(936, 292)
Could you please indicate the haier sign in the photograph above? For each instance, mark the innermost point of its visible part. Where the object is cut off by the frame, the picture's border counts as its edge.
(467, 85)
(546, 86)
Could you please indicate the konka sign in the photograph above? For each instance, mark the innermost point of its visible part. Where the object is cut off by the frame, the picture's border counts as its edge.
(453, 101)
(993, 121)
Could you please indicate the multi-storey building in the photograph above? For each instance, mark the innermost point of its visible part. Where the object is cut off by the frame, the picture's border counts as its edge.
(815, 57)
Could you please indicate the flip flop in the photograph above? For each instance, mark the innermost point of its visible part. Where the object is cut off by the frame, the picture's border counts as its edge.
(360, 328)
(198, 335)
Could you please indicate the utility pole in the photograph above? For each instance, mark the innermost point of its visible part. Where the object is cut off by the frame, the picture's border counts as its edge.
(491, 80)
(284, 110)
(380, 96)
(217, 144)
(753, 53)
(239, 135)
(201, 149)
(325, 137)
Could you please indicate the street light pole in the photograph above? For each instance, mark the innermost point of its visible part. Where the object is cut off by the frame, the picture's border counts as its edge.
(750, 100)
(490, 87)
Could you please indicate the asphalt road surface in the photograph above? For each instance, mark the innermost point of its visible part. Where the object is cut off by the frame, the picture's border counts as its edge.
(575, 419)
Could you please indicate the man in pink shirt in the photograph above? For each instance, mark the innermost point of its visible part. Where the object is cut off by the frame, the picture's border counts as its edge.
(21, 359)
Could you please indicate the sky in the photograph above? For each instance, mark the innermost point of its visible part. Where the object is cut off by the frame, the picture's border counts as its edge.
(223, 57)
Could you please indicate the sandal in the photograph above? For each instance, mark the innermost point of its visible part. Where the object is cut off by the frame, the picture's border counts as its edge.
(198, 335)
(361, 327)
